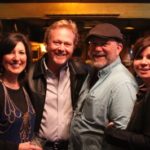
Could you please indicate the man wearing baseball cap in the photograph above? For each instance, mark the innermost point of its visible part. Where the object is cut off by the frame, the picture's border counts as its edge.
(107, 95)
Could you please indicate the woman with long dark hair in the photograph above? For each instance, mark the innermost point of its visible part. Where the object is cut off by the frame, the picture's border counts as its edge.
(137, 134)
(17, 114)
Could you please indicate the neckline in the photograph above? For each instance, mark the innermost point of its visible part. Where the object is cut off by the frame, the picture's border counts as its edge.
(8, 87)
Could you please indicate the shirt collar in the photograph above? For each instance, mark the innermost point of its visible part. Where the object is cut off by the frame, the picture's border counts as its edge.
(106, 70)
(48, 71)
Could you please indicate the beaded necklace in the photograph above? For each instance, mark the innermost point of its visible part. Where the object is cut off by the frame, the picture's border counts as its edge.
(11, 112)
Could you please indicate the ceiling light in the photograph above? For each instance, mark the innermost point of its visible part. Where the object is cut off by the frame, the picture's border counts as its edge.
(129, 28)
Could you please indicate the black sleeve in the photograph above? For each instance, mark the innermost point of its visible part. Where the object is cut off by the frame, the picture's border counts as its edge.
(1, 98)
(133, 140)
(5, 145)
(123, 138)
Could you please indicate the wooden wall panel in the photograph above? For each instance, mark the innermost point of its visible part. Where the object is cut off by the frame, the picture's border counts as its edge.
(42, 10)
(85, 1)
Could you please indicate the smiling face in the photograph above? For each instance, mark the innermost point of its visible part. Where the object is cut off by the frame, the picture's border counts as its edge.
(60, 46)
(103, 55)
(142, 64)
(15, 61)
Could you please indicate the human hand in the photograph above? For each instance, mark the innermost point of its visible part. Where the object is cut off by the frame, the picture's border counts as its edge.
(36, 140)
(28, 146)
(110, 124)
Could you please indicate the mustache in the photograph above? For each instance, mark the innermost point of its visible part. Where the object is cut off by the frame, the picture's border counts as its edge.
(98, 53)
(60, 52)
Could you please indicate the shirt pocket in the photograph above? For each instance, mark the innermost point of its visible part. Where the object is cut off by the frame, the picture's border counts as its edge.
(90, 109)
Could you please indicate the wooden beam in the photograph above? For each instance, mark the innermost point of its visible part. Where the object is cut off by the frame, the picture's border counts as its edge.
(42, 10)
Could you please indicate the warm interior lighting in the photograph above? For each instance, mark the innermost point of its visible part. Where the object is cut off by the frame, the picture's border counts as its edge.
(76, 16)
(87, 27)
(38, 49)
(43, 48)
(129, 28)
(129, 25)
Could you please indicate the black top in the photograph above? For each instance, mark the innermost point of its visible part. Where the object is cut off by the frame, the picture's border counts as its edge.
(14, 105)
(17, 96)
(137, 134)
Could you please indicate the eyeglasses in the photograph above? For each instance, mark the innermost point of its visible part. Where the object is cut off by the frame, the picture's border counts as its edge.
(95, 41)
(100, 43)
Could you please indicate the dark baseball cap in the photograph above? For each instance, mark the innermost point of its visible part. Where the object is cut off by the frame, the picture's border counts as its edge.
(105, 30)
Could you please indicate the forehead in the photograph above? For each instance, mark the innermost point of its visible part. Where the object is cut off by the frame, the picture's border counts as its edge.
(62, 31)
(142, 52)
(19, 45)
(146, 50)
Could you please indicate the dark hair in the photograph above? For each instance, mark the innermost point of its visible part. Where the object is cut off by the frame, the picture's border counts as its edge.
(140, 45)
(8, 42)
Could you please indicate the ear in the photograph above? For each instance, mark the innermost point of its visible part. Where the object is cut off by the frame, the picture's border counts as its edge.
(119, 48)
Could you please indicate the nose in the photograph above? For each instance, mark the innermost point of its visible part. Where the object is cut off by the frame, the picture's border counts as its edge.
(61, 47)
(98, 47)
(16, 56)
(144, 61)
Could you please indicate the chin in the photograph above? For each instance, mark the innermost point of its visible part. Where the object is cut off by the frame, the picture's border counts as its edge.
(60, 63)
(98, 65)
(15, 71)
(145, 76)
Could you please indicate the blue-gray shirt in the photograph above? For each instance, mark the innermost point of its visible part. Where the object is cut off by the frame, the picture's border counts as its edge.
(110, 99)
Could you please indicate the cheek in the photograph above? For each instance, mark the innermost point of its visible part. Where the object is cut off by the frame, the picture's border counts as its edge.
(50, 47)
(24, 59)
(136, 67)
(71, 51)
(135, 64)
(117, 52)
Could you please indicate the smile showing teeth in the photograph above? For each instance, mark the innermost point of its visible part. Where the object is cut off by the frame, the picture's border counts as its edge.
(144, 70)
(60, 54)
(98, 55)
(15, 65)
